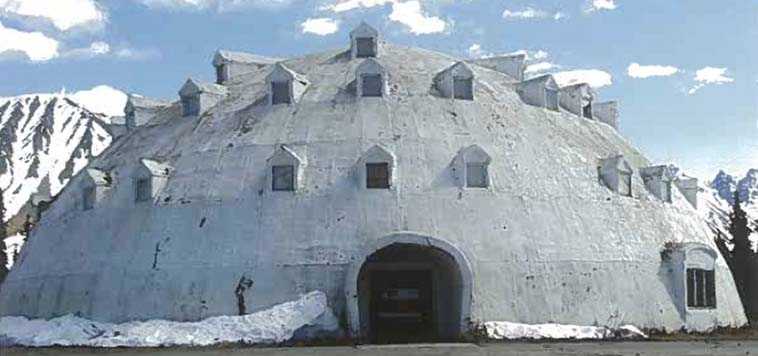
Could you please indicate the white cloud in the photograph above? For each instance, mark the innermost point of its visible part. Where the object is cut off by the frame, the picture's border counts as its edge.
(346, 5)
(539, 54)
(320, 26)
(95, 49)
(709, 75)
(635, 70)
(594, 77)
(217, 5)
(540, 67)
(597, 5)
(102, 99)
(409, 13)
(530, 13)
(35, 45)
(475, 51)
(63, 14)
(136, 53)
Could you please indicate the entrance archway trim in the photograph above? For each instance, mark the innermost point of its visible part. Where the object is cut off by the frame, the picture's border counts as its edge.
(351, 283)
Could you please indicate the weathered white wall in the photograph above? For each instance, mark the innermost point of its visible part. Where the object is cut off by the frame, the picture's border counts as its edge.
(546, 241)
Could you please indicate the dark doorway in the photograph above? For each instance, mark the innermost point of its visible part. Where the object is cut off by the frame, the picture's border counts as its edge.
(587, 111)
(410, 293)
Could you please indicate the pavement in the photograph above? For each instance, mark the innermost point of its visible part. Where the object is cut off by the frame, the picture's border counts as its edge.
(643, 348)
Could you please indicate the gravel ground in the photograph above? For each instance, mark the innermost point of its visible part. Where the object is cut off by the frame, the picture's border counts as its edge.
(689, 348)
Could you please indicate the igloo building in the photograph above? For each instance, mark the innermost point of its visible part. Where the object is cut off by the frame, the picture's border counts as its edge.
(422, 193)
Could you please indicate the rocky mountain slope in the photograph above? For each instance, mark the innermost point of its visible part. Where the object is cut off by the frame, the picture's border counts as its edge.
(44, 140)
(717, 196)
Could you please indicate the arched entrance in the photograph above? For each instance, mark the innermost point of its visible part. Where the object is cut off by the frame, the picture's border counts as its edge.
(409, 288)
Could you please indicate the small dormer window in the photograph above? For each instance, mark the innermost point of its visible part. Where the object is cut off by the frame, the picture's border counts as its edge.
(473, 163)
(88, 198)
(372, 85)
(366, 47)
(280, 91)
(378, 175)
(283, 178)
(587, 111)
(616, 174)
(220, 74)
(463, 88)
(701, 288)
(142, 190)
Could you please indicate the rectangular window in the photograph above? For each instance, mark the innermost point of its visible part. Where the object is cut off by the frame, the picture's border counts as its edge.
(551, 99)
(280, 92)
(371, 85)
(142, 190)
(190, 106)
(377, 175)
(701, 288)
(365, 47)
(666, 191)
(88, 198)
(476, 175)
(463, 88)
(283, 178)
(625, 184)
(220, 74)
(587, 111)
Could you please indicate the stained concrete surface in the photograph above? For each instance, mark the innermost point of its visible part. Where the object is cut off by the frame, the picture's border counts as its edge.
(690, 348)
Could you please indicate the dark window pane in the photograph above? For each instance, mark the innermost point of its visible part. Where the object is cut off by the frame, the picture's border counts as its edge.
(283, 178)
(88, 198)
(365, 47)
(476, 175)
(700, 284)
(551, 99)
(690, 287)
(220, 77)
(142, 190)
(372, 84)
(280, 92)
(190, 105)
(710, 286)
(377, 175)
(587, 111)
(463, 88)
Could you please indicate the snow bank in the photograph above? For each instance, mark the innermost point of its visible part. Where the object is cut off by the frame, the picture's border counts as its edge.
(500, 330)
(277, 324)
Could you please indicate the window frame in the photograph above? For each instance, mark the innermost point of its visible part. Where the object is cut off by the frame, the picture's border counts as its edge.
(481, 167)
(190, 106)
(290, 186)
(221, 74)
(700, 288)
(380, 82)
(373, 181)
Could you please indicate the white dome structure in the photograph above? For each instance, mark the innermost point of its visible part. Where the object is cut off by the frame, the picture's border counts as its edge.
(417, 192)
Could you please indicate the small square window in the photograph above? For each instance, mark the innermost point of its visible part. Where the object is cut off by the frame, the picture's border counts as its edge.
(377, 175)
(365, 47)
(476, 175)
(701, 288)
(463, 88)
(280, 92)
(88, 198)
(142, 190)
(625, 184)
(283, 178)
(551, 99)
(190, 106)
(371, 85)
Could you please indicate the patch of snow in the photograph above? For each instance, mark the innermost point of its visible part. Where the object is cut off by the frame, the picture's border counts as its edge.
(504, 330)
(12, 243)
(277, 324)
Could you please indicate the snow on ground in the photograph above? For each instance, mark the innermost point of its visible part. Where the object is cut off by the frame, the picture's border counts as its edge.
(277, 324)
(503, 330)
(13, 245)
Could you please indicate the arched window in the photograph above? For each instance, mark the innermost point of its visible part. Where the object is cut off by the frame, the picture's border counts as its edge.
(378, 166)
(473, 163)
(371, 79)
(285, 167)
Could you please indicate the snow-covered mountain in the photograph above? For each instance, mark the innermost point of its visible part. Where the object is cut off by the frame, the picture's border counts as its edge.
(44, 140)
(717, 196)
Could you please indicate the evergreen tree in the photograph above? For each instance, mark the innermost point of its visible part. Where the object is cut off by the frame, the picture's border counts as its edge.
(3, 234)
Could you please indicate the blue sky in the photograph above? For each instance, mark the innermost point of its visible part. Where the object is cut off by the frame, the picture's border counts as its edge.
(685, 72)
